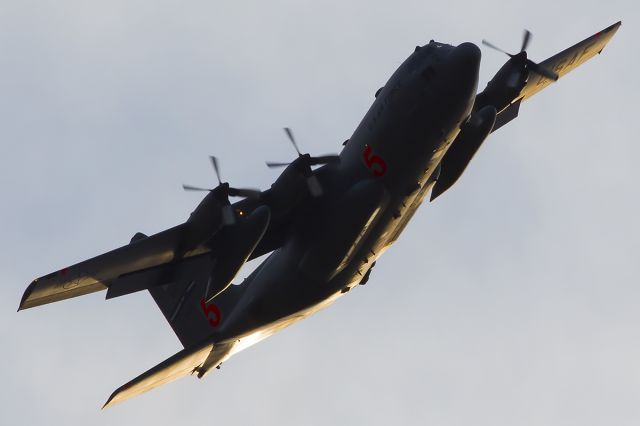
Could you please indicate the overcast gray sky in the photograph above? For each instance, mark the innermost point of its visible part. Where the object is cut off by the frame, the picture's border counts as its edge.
(512, 300)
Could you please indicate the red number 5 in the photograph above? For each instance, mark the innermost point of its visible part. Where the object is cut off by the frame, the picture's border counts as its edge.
(374, 162)
(210, 309)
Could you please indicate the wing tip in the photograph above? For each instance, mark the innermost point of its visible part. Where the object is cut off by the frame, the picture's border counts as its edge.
(109, 402)
(114, 397)
(24, 302)
(608, 34)
(614, 27)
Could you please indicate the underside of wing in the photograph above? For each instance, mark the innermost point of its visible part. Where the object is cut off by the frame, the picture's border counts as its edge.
(516, 81)
(560, 64)
(569, 59)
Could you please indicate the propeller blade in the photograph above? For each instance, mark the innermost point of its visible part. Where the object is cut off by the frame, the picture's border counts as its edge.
(244, 192)
(194, 188)
(214, 162)
(493, 46)
(525, 40)
(273, 165)
(532, 66)
(292, 139)
(324, 159)
(539, 69)
(303, 158)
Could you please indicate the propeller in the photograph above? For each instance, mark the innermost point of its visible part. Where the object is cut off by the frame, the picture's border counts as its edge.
(531, 66)
(230, 191)
(311, 161)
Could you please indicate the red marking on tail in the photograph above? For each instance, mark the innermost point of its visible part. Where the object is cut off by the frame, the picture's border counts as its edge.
(211, 308)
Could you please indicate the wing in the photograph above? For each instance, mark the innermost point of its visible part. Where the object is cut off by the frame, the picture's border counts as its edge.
(569, 59)
(562, 63)
(97, 273)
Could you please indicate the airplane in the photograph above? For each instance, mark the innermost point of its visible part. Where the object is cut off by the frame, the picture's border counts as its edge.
(324, 222)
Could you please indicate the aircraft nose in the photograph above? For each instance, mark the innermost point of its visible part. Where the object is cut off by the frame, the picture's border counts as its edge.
(459, 78)
(462, 68)
(466, 56)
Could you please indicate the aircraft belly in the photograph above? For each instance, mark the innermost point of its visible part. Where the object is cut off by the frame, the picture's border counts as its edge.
(397, 215)
(260, 333)
(332, 247)
(331, 254)
(293, 283)
(279, 290)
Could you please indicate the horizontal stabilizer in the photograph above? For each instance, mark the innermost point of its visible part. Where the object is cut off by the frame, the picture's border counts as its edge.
(198, 361)
(97, 273)
(179, 365)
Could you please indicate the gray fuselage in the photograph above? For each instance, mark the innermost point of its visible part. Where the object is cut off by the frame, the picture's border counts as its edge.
(384, 173)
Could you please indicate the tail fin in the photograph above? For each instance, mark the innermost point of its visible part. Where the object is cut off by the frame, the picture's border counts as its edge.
(180, 302)
(184, 304)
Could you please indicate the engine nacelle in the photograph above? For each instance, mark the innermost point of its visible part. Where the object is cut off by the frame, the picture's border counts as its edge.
(212, 213)
(506, 85)
(296, 183)
(463, 148)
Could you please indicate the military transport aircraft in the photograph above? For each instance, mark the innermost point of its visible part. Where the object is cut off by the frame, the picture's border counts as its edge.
(324, 227)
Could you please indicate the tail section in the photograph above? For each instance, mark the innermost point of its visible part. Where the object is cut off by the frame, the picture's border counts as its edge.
(185, 362)
(179, 302)
(180, 290)
(185, 307)
(175, 367)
